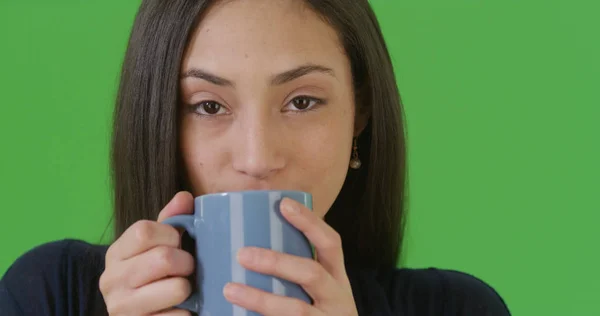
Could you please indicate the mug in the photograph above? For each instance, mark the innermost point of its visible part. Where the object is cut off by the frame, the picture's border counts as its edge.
(223, 223)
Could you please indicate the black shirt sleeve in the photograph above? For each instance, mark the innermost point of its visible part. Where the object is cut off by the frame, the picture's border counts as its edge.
(425, 292)
(58, 278)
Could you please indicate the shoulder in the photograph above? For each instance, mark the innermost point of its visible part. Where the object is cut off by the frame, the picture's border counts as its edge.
(57, 251)
(40, 278)
(55, 258)
(462, 292)
(432, 292)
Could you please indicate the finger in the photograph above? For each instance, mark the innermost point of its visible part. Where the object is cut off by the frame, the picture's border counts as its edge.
(173, 312)
(327, 242)
(181, 203)
(160, 295)
(309, 274)
(266, 304)
(140, 237)
(146, 234)
(157, 263)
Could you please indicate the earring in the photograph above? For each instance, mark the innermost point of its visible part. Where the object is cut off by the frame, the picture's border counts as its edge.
(355, 161)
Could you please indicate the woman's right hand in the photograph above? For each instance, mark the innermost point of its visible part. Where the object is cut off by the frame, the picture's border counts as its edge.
(146, 270)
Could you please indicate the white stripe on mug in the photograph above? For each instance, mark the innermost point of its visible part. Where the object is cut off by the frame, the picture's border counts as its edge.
(276, 237)
(236, 222)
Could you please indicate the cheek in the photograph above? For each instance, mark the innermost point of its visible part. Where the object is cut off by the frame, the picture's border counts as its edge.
(201, 165)
(322, 163)
(327, 170)
(195, 166)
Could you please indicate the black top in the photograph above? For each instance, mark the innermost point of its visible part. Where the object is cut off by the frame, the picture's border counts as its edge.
(61, 278)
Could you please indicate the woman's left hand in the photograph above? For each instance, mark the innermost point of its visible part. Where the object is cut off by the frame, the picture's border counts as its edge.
(324, 280)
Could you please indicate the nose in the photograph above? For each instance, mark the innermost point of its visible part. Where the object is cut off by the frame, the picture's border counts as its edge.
(258, 151)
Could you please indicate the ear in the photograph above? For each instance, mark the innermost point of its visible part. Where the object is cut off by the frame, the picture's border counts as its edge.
(361, 119)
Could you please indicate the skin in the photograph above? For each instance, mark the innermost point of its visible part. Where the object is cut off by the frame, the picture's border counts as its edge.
(248, 124)
(260, 139)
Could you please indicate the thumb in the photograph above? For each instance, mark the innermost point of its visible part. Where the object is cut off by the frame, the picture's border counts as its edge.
(181, 203)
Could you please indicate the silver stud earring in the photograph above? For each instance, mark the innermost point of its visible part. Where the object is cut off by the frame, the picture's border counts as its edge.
(355, 162)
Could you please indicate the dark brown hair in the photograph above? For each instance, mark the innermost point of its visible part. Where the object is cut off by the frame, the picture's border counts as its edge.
(146, 164)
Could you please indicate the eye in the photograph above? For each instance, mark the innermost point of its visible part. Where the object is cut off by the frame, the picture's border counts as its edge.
(209, 108)
(303, 103)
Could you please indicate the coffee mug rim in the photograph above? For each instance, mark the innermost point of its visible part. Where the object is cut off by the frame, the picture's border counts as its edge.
(227, 193)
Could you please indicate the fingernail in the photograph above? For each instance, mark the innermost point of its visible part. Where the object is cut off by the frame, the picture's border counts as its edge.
(289, 206)
(245, 255)
(233, 291)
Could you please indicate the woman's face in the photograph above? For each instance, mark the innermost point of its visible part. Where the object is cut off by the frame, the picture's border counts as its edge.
(268, 99)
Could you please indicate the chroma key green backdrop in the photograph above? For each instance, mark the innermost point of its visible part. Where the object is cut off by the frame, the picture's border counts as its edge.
(503, 107)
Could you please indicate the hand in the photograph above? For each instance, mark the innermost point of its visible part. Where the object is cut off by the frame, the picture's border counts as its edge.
(145, 269)
(324, 280)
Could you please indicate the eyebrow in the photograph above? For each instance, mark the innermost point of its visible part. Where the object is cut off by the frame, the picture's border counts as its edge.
(298, 72)
(205, 75)
(278, 79)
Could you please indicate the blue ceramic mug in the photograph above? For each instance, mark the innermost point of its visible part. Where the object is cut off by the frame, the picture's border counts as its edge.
(223, 223)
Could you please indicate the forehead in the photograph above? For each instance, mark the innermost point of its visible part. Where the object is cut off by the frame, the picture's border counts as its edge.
(278, 32)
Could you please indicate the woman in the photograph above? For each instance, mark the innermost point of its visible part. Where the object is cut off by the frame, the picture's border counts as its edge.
(235, 95)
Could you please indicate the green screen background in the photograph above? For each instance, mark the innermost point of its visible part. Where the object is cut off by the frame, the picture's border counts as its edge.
(502, 103)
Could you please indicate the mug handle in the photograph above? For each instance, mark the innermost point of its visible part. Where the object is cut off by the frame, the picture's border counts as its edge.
(192, 303)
